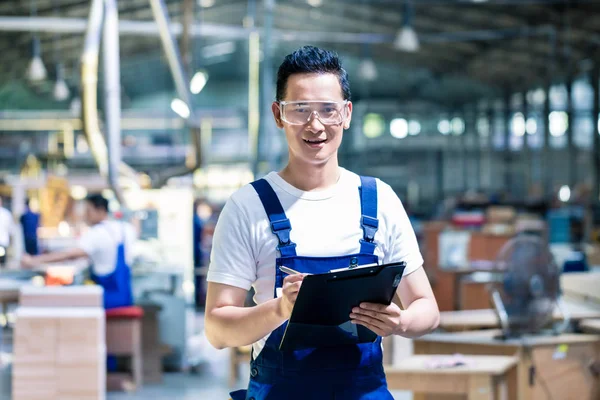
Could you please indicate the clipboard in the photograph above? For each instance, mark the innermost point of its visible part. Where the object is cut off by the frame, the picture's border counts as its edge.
(321, 314)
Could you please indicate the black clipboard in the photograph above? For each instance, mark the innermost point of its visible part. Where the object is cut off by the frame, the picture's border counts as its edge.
(321, 314)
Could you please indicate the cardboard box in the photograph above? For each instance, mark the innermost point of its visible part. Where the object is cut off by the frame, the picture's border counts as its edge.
(61, 296)
(500, 214)
(59, 353)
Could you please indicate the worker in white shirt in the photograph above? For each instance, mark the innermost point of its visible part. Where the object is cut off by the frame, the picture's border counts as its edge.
(107, 244)
(7, 226)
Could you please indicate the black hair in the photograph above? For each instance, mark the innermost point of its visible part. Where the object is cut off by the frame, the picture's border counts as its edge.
(310, 59)
(98, 202)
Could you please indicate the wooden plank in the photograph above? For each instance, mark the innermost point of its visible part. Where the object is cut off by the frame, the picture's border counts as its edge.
(476, 364)
(581, 284)
(477, 319)
(590, 325)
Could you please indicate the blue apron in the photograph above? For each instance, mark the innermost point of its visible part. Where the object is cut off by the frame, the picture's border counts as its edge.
(348, 372)
(117, 284)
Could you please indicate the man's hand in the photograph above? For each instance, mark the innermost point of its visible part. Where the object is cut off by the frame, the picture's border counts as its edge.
(289, 293)
(28, 261)
(381, 319)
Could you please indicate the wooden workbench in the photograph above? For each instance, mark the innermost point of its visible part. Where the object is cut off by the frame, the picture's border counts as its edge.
(480, 378)
(486, 319)
(590, 325)
(547, 364)
(581, 285)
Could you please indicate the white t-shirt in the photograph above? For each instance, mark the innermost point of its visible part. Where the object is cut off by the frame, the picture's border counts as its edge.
(7, 226)
(100, 243)
(324, 223)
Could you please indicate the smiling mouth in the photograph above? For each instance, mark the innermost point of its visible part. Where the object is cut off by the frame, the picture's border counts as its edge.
(315, 141)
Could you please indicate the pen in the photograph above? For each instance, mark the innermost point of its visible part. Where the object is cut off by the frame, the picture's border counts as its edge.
(288, 271)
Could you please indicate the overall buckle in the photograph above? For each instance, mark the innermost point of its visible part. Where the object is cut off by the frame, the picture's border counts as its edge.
(370, 226)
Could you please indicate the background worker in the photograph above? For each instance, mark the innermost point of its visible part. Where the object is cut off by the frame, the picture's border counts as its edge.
(30, 222)
(7, 226)
(107, 244)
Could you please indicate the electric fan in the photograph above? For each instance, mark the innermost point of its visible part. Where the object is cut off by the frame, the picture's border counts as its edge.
(530, 289)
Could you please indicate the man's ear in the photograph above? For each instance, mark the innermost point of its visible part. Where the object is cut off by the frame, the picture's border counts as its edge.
(277, 114)
(348, 117)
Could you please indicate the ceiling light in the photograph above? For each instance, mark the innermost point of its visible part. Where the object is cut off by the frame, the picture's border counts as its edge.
(206, 3)
(531, 126)
(406, 39)
(399, 128)
(180, 108)
(518, 124)
(458, 125)
(558, 123)
(61, 90)
(315, 3)
(37, 70)
(444, 127)
(414, 128)
(198, 82)
(367, 70)
(564, 194)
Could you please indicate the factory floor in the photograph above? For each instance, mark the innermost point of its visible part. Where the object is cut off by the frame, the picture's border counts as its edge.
(208, 381)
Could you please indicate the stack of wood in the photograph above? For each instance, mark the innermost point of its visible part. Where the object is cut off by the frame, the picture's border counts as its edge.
(59, 344)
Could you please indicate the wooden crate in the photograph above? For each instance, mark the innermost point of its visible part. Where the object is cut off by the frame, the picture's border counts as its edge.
(59, 354)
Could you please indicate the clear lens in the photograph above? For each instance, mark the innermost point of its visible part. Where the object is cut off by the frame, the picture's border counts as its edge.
(300, 112)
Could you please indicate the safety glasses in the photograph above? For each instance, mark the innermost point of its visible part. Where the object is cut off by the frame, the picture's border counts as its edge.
(301, 112)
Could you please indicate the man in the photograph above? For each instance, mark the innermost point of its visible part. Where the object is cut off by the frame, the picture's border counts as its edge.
(7, 227)
(30, 222)
(316, 209)
(108, 246)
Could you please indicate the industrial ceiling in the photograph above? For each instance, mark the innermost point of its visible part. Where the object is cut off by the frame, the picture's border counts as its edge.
(468, 49)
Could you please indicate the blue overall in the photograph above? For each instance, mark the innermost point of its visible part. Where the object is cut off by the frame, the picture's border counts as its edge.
(117, 284)
(348, 372)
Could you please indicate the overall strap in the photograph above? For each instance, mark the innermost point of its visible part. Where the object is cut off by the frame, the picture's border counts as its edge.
(280, 224)
(368, 219)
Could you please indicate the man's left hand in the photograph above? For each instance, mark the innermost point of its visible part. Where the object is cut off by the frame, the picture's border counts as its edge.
(381, 319)
(28, 261)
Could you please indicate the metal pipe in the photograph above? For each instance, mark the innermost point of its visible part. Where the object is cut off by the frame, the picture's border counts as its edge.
(160, 12)
(151, 28)
(112, 92)
(89, 85)
(181, 80)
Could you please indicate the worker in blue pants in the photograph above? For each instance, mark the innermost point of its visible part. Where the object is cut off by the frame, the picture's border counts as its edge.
(105, 244)
(313, 216)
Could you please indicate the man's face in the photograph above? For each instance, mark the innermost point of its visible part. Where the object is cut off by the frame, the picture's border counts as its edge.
(313, 142)
(93, 215)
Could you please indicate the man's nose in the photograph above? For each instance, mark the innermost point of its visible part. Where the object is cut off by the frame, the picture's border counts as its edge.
(315, 124)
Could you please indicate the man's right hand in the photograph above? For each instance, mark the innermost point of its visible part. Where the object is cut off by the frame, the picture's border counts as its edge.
(289, 294)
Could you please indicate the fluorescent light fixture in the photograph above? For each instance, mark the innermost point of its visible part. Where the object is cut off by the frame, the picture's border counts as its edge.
(407, 40)
(218, 49)
(180, 108)
(444, 127)
(206, 3)
(564, 194)
(315, 3)
(198, 82)
(518, 124)
(414, 128)
(367, 70)
(37, 70)
(399, 128)
(61, 90)
(78, 192)
(531, 126)
(558, 123)
(458, 126)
